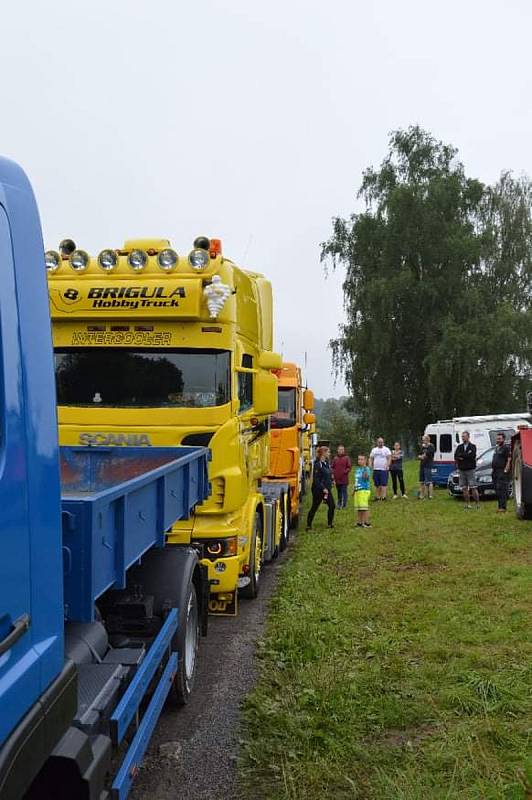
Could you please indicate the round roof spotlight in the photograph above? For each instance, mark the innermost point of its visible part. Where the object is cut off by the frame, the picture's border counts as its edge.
(137, 260)
(202, 243)
(67, 247)
(79, 260)
(107, 260)
(52, 259)
(198, 259)
(167, 259)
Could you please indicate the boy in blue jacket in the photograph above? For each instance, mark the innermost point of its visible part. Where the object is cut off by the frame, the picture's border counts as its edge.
(362, 492)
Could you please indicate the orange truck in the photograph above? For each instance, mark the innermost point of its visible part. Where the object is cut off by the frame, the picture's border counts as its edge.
(288, 425)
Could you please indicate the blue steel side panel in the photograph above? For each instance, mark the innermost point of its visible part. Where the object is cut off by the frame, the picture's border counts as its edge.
(131, 763)
(30, 573)
(127, 708)
(440, 472)
(110, 526)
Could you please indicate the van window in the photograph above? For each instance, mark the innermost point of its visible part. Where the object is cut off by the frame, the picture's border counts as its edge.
(508, 433)
(446, 443)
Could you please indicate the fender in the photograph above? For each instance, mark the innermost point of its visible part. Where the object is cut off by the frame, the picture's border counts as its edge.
(166, 573)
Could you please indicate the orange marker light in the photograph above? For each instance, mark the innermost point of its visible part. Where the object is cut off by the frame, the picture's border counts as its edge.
(215, 248)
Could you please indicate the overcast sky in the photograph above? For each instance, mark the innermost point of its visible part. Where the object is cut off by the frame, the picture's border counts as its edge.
(252, 121)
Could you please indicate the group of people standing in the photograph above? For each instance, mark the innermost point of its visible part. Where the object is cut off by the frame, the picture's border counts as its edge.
(383, 463)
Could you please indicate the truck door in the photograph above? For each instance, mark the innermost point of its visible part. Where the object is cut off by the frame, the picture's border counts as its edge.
(19, 663)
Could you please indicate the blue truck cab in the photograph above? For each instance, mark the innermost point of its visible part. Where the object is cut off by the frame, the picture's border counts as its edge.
(99, 620)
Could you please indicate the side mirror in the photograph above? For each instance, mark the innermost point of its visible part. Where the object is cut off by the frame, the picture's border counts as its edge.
(308, 400)
(309, 419)
(269, 360)
(264, 393)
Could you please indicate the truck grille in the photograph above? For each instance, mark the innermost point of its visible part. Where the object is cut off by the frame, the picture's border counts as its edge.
(218, 491)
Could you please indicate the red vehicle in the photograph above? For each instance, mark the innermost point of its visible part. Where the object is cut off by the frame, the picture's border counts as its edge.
(522, 468)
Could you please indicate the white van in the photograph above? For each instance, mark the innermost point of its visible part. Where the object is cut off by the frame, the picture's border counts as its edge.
(446, 435)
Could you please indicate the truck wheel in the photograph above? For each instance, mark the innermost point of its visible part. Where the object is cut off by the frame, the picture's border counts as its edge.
(187, 646)
(294, 522)
(285, 521)
(252, 589)
(522, 509)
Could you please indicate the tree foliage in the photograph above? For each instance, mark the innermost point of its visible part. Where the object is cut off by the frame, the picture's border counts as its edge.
(338, 425)
(437, 289)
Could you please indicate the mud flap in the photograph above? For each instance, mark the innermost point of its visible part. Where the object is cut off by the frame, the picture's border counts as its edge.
(224, 605)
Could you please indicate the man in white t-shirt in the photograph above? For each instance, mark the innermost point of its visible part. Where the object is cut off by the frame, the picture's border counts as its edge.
(380, 459)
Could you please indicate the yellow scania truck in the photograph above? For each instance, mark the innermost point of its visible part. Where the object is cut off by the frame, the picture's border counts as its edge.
(288, 425)
(155, 348)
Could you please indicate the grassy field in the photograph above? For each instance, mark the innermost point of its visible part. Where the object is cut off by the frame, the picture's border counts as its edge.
(397, 660)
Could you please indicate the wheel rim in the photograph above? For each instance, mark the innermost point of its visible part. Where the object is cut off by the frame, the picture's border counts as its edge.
(517, 479)
(257, 556)
(191, 637)
(285, 521)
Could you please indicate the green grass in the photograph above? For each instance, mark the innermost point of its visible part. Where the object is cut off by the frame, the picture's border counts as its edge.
(397, 660)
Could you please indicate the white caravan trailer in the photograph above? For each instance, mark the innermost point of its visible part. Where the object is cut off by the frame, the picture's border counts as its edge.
(445, 435)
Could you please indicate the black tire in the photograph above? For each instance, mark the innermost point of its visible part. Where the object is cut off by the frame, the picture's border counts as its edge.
(523, 510)
(294, 522)
(285, 521)
(187, 647)
(251, 591)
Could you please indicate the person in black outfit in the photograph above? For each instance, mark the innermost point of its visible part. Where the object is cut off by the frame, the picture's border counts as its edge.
(465, 456)
(500, 468)
(321, 488)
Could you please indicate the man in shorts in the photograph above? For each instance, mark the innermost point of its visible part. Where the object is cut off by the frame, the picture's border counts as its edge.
(426, 463)
(380, 459)
(465, 456)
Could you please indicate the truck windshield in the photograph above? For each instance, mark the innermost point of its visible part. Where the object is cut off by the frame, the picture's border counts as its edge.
(285, 416)
(150, 378)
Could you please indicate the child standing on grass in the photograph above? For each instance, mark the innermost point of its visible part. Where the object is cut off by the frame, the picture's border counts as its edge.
(362, 492)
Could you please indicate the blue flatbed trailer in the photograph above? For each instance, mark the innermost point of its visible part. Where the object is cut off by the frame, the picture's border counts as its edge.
(99, 619)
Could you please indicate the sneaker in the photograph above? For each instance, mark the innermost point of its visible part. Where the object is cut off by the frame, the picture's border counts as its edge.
(307, 529)
(394, 497)
(405, 497)
(366, 524)
(331, 527)
(360, 524)
(501, 511)
(431, 496)
(467, 507)
(376, 499)
(383, 499)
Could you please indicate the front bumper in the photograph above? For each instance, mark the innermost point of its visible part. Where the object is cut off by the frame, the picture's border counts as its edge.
(223, 573)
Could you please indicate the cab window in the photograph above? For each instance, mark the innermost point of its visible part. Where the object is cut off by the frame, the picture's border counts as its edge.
(245, 384)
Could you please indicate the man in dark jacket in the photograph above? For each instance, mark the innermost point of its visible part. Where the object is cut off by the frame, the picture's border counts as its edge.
(500, 467)
(465, 456)
(321, 487)
(341, 466)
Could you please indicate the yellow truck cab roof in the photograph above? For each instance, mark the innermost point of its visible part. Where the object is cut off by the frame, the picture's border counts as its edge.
(147, 279)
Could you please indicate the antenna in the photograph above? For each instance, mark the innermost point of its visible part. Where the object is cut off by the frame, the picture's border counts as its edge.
(306, 378)
(248, 246)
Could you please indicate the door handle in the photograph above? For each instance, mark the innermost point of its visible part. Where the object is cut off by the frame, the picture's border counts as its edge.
(19, 629)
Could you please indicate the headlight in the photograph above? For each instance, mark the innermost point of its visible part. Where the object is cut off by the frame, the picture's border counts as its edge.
(137, 260)
(107, 260)
(167, 259)
(79, 260)
(198, 259)
(52, 259)
(485, 479)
